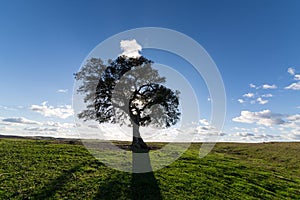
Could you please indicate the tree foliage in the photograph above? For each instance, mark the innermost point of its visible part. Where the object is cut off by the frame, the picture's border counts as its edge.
(88, 78)
(128, 91)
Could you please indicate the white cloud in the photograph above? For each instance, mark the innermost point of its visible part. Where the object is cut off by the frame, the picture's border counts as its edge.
(264, 117)
(293, 86)
(261, 101)
(248, 95)
(52, 129)
(21, 126)
(60, 125)
(19, 120)
(267, 86)
(296, 85)
(293, 122)
(62, 112)
(267, 95)
(6, 128)
(294, 118)
(239, 128)
(252, 135)
(297, 77)
(252, 85)
(204, 122)
(244, 134)
(197, 131)
(291, 128)
(241, 101)
(294, 136)
(291, 71)
(62, 90)
(7, 108)
(130, 48)
(41, 129)
(259, 129)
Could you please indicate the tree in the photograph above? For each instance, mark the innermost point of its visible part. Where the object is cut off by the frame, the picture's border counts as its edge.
(129, 92)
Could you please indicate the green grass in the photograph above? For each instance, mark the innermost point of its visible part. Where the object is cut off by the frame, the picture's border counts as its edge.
(45, 169)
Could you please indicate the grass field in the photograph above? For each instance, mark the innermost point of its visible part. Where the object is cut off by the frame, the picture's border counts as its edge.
(47, 169)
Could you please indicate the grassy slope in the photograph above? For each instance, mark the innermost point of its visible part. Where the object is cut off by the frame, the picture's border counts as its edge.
(43, 169)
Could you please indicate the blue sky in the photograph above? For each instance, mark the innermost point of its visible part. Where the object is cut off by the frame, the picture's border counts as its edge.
(252, 42)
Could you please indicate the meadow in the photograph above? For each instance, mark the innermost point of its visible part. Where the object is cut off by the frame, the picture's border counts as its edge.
(52, 169)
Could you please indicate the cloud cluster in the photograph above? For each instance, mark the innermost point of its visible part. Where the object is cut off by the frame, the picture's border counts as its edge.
(7, 108)
(19, 120)
(249, 95)
(26, 127)
(266, 121)
(51, 126)
(261, 101)
(60, 125)
(264, 86)
(293, 123)
(41, 129)
(197, 131)
(255, 137)
(255, 98)
(244, 134)
(264, 117)
(292, 86)
(282, 126)
(295, 85)
(288, 126)
(131, 48)
(62, 112)
(258, 133)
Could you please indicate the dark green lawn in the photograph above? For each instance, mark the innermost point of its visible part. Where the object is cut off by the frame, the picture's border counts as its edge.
(46, 169)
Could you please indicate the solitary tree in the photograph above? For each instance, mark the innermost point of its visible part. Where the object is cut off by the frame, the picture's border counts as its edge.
(128, 92)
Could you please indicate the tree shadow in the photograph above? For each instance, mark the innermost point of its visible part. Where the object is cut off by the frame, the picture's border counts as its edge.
(118, 185)
(142, 185)
(56, 184)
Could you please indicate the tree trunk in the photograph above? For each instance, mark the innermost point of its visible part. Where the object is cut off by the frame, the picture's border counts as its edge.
(138, 144)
